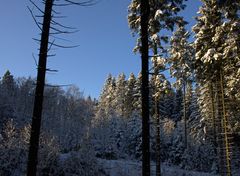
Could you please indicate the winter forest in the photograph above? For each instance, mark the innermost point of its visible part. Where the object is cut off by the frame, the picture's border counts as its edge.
(179, 116)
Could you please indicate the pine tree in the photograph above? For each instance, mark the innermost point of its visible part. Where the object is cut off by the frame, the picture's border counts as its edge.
(133, 136)
(7, 96)
(181, 61)
(105, 104)
(211, 62)
(178, 106)
(161, 15)
(230, 30)
(161, 87)
(130, 92)
(137, 104)
(8, 82)
(119, 102)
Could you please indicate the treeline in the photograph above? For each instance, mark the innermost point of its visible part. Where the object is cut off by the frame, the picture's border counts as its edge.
(65, 147)
(117, 124)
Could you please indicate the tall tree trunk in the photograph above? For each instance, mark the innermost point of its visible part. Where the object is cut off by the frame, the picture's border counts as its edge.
(214, 122)
(38, 102)
(213, 114)
(222, 128)
(185, 115)
(158, 156)
(144, 6)
(225, 126)
(220, 139)
(157, 116)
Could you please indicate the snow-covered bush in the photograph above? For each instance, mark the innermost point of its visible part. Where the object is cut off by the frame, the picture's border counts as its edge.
(199, 157)
(13, 153)
(81, 163)
(48, 155)
(133, 137)
(175, 148)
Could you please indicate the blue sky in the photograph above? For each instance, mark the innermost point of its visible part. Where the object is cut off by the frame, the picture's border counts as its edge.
(104, 39)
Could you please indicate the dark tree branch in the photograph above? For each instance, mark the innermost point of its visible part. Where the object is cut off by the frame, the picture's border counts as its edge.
(35, 5)
(58, 16)
(55, 12)
(59, 31)
(37, 40)
(51, 44)
(59, 38)
(63, 85)
(50, 70)
(34, 59)
(63, 26)
(51, 55)
(61, 46)
(39, 16)
(31, 12)
(71, 2)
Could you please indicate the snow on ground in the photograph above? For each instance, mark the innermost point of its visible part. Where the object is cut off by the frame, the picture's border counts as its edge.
(131, 168)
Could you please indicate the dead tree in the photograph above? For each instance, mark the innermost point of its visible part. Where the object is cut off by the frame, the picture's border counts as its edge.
(38, 102)
(145, 10)
(45, 45)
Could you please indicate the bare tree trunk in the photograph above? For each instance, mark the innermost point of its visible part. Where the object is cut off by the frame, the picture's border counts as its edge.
(185, 115)
(214, 123)
(145, 88)
(158, 157)
(157, 116)
(225, 127)
(38, 102)
(222, 128)
(213, 113)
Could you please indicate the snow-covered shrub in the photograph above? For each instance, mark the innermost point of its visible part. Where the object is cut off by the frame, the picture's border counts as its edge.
(108, 136)
(14, 144)
(48, 155)
(199, 154)
(166, 139)
(199, 157)
(176, 148)
(81, 163)
(133, 137)
(13, 153)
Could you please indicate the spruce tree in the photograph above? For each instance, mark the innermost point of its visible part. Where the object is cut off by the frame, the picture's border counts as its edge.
(212, 59)
(181, 67)
(137, 104)
(130, 92)
(105, 104)
(161, 15)
(119, 101)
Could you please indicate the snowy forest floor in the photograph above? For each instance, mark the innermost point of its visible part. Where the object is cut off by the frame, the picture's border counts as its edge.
(133, 168)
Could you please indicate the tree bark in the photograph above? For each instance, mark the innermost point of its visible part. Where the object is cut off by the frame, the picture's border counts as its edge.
(144, 6)
(185, 115)
(38, 102)
(158, 156)
(225, 126)
(157, 116)
(214, 123)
